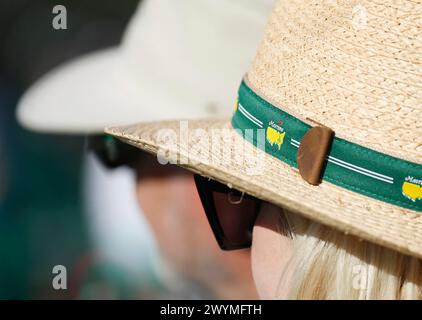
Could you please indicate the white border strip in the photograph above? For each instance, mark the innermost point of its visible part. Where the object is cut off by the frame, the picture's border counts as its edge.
(295, 142)
(360, 168)
(250, 116)
(352, 167)
(359, 171)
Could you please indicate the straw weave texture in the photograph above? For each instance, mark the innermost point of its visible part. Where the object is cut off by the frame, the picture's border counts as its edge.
(354, 66)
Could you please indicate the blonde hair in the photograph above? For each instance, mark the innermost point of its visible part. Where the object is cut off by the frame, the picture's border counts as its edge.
(328, 264)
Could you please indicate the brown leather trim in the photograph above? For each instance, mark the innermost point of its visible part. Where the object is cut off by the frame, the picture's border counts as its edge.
(312, 153)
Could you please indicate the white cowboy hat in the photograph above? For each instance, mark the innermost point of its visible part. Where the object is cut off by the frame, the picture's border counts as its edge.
(178, 58)
(322, 65)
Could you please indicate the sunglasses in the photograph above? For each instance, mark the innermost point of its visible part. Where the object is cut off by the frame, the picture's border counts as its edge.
(231, 213)
(112, 152)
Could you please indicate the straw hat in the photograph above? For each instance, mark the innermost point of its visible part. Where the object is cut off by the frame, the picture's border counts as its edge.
(141, 79)
(353, 67)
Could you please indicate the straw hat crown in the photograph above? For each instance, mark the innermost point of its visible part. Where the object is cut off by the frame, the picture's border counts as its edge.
(354, 66)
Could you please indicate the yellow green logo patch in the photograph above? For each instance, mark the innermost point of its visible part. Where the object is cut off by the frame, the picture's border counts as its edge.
(275, 134)
(412, 188)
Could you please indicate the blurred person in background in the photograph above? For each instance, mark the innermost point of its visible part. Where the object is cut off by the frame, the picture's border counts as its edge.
(41, 217)
(177, 59)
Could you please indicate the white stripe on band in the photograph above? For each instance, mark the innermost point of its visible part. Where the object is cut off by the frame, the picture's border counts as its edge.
(295, 142)
(352, 167)
(359, 171)
(360, 168)
(250, 116)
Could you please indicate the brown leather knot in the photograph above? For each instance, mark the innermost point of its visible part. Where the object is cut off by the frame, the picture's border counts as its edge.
(312, 153)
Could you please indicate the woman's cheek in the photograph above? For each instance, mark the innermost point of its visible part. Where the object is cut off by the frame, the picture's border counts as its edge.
(271, 253)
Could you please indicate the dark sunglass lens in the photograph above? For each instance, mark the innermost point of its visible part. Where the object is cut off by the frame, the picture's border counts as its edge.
(230, 213)
(236, 215)
(111, 152)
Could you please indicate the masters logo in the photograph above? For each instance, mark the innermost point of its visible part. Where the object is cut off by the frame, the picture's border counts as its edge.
(412, 188)
(236, 104)
(275, 134)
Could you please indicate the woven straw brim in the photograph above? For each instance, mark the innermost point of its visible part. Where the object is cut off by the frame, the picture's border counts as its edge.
(280, 184)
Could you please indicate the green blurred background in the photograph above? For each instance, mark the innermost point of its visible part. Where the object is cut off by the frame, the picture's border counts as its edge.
(41, 216)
